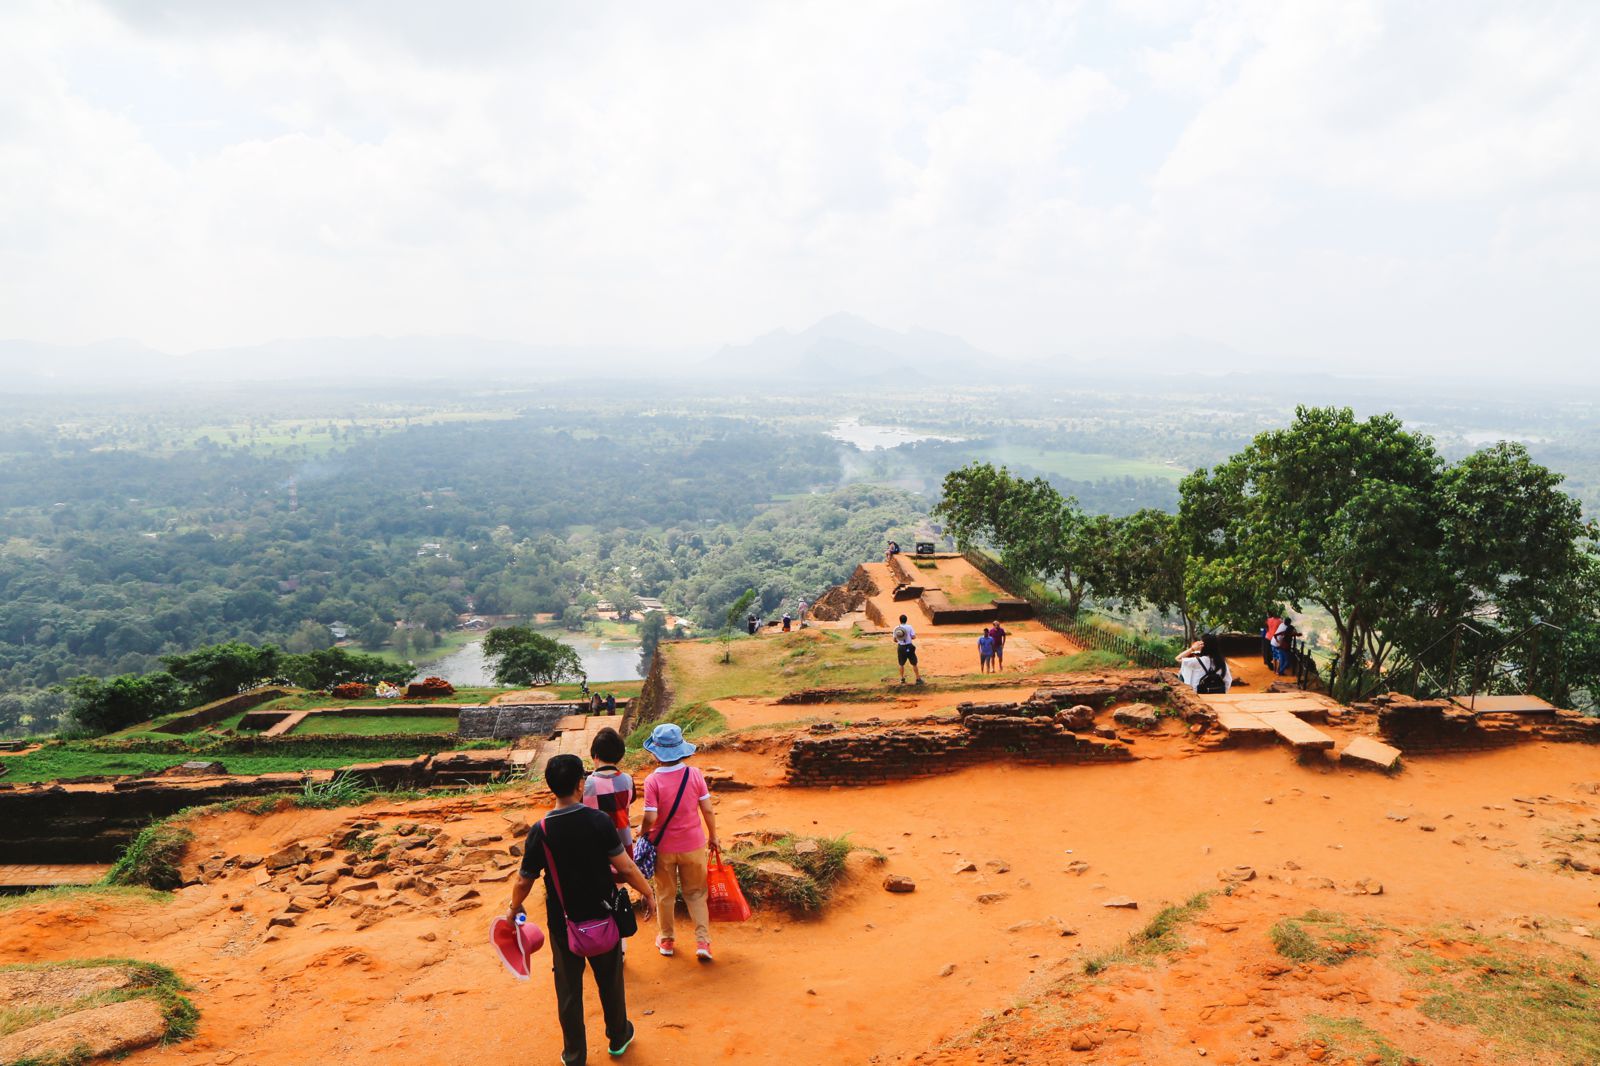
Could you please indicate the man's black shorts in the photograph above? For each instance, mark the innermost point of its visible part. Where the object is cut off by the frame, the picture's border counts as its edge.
(907, 653)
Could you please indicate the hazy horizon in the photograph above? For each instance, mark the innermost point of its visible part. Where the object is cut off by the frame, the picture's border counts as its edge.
(1330, 187)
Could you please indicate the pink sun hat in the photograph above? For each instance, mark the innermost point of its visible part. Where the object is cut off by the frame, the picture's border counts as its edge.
(515, 943)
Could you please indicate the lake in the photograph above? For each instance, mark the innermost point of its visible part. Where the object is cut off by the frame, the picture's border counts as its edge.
(603, 660)
(866, 436)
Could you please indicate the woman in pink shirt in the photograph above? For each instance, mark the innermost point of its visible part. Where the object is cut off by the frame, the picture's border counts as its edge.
(676, 797)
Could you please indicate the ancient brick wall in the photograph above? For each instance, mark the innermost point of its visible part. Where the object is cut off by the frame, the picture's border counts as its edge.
(895, 754)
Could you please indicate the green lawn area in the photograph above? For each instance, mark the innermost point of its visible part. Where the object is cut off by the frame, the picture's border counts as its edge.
(310, 700)
(449, 644)
(1080, 466)
(970, 591)
(50, 764)
(621, 689)
(374, 725)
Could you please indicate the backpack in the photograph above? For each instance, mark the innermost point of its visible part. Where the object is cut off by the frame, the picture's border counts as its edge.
(1212, 682)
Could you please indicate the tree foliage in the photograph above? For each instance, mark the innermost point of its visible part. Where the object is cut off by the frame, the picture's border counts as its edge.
(101, 706)
(219, 670)
(1404, 551)
(520, 656)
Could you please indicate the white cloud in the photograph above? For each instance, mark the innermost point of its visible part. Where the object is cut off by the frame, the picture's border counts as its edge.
(1345, 180)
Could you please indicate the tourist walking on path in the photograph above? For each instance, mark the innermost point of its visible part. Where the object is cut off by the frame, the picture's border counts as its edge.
(576, 849)
(611, 705)
(905, 649)
(675, 800)
(985, 651)
(1204, 668)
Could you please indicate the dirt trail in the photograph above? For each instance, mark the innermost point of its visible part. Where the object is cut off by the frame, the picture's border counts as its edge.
(863, 982)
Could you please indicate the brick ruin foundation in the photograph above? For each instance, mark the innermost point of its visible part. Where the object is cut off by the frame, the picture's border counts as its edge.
(1055, 726)
(1429, 726)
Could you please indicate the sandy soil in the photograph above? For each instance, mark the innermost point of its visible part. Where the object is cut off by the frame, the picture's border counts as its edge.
(863, 983)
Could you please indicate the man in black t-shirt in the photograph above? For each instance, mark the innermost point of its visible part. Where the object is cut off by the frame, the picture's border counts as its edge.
(586, 848)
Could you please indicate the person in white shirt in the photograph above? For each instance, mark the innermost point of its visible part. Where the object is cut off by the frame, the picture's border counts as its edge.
(1204, 668)
(905, 647)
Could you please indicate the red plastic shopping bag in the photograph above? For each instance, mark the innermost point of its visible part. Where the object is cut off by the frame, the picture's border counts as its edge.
(726, 898)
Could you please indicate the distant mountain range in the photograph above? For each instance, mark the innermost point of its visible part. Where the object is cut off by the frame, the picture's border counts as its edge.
(848, 348)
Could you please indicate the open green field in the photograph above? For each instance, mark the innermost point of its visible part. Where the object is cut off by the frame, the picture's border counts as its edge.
(1080, 466)
(373, 725)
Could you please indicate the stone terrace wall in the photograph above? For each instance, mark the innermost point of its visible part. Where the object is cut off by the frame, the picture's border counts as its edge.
(509, 721)
(220, 709)
(52, 824)
(842, 599)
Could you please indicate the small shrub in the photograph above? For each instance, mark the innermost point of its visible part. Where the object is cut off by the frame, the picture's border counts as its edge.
(820, 868)
(341, 790)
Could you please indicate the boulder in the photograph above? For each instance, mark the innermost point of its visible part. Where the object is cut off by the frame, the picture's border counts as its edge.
(98, 1032)
(293, 855)
(899, 883)
(1137, 716)
(1077, 719)
(1237, 874)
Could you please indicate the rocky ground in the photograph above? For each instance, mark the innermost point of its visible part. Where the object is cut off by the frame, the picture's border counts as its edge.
(361, 932)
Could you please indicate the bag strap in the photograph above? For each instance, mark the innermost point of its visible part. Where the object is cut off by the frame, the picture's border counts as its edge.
(656, 843)
(550, 864)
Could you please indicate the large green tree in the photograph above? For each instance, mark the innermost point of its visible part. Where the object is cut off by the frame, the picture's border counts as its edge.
(220, 670)
(519, 656)
(1366, 521)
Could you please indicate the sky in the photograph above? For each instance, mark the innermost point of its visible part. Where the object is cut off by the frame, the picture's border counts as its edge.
(1338, 185)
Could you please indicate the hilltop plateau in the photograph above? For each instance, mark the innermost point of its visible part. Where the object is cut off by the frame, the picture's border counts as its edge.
(1105, 868)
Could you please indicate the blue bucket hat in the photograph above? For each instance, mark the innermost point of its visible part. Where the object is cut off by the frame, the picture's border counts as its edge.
(667, 744)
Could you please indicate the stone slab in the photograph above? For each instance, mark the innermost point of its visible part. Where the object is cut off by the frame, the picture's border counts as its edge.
(1366, 751)
(1505, 705)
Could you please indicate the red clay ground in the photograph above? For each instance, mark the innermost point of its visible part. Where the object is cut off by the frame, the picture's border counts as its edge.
(863, 982)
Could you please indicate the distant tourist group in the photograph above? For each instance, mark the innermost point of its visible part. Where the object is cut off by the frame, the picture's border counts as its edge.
(587, 854)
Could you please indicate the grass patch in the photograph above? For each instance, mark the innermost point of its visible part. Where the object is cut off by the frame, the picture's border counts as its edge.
(1320, 937)
(971, 590)
(695, 719)
(1163, 935)
(800, 874)
(1083, 662)
(101, 895)
(339, 791)
(147, 980)
(374, 725)
(151, 859)
(1350, 1039)
(1541, 999)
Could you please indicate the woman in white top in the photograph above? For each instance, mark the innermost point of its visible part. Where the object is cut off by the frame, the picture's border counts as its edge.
(1204, 668)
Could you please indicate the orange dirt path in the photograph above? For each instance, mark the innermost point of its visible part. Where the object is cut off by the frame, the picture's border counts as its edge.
(862, 983)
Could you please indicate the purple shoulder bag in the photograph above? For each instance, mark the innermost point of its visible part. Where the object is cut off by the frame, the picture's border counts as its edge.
(594, 937)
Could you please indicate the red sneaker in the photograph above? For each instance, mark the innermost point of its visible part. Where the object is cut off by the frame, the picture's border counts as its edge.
(664, 945)
(702, 950)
